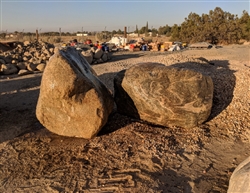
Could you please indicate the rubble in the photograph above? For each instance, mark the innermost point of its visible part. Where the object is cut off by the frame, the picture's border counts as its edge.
(25, 56)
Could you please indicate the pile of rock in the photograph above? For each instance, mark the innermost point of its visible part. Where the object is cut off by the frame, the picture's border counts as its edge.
(96, 55)
(27, 57)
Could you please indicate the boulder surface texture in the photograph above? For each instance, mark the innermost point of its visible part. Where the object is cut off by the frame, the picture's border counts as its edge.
(240, 179)
(164, 95)
(72, 101)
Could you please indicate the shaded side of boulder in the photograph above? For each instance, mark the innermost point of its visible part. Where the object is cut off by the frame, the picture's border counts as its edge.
(72, 100)
(240, 179)
(164, 95)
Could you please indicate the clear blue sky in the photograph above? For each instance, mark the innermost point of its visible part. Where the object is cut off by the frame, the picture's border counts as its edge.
(95, 15)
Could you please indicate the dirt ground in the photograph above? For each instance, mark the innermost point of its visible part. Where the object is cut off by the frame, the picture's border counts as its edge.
(129, 155)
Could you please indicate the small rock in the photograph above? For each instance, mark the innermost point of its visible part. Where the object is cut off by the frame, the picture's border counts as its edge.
(21, 66)
(8, 69)
(41, 67)
(32, 67)
(26, 43)
(24, 72)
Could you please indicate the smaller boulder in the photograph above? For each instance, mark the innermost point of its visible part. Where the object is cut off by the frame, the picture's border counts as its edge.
(164, 95)
(98, 54)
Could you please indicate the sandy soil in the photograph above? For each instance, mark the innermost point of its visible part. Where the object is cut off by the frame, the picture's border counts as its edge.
(129, 155)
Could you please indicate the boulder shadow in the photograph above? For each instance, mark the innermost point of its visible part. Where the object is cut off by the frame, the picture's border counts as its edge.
(115, 122)
(223, 78)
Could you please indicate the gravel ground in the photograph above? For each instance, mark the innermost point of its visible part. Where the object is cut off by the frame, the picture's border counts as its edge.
(130, 155)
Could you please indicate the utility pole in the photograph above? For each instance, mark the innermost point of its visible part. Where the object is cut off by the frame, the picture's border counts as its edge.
(37, 35)
(125, 32)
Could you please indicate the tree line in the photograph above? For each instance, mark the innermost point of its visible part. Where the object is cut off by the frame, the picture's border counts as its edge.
(217, 26)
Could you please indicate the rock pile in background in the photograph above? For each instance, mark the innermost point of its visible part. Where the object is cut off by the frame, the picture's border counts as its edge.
(96, 55)
(27, 57)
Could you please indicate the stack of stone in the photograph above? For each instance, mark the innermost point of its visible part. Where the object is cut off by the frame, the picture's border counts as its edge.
(27, 57)
(96, 55)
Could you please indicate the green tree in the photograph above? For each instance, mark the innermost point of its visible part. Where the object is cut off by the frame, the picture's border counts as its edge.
(142, 30)
(119, 31)
(244, 23)
(216, 26)
(164, 30)
(114, 32)
(175, 33)
(154, 32)
(2, 35)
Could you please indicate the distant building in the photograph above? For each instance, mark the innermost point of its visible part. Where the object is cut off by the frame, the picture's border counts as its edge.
(10, 35)
(81, 34)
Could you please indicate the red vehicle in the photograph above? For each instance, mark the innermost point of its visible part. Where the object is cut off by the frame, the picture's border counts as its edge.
(88, 42)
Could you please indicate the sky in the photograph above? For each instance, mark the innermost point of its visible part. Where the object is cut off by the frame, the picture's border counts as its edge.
(98, 15)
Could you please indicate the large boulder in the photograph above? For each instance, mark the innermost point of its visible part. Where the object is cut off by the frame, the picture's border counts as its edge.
(72, 100)
(164, 95)
(240, 179)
